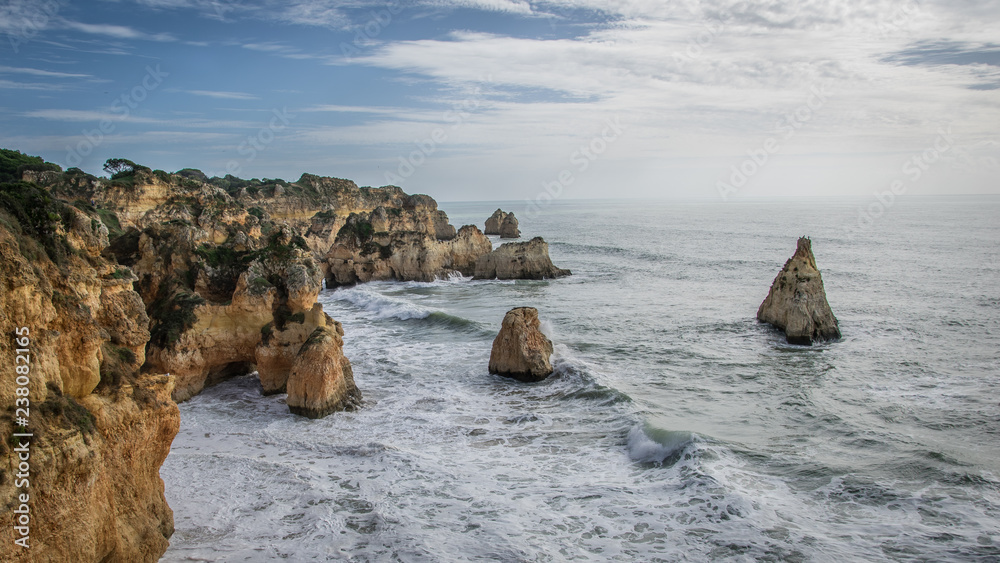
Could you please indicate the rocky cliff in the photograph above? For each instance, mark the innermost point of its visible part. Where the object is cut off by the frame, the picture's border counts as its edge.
(142, 289)
(85, 481)
(796, 302)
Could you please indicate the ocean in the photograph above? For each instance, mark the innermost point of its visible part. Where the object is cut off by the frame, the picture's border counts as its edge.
(675, 428)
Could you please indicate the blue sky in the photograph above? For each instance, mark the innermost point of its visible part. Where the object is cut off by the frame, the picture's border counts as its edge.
(516, 99)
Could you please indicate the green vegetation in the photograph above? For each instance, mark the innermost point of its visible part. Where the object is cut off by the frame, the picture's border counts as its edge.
(266, 332)
(13, 164)
(192, 174)
(362, 230)
(110, 220)
(65, 408)
(37, 215)
(172, 313)
(256, 212)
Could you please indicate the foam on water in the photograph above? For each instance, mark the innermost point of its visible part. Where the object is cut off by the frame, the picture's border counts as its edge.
(675, 428)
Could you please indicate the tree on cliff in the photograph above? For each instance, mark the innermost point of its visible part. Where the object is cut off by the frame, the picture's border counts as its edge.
(120, 167)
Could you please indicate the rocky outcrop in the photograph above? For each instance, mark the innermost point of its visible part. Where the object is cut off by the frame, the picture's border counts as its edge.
(520, 350)
(321, 380)
(508, 228)
(494, 222)
(99, 429)
(797, 301)
(363, 253)
(519, 260)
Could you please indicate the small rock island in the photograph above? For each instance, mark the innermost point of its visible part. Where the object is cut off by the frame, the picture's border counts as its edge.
(520, 350)
(797, 301)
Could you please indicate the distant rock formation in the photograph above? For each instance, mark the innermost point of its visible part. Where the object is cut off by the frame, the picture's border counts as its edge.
(494, 222)
(520, 350)
(321, 380)
(519, 261)
(797, 301)
(508, 228)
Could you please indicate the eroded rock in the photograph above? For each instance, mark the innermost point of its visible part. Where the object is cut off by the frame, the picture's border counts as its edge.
(796, 302)
(321, 380)
(520, 350)
(519, 261)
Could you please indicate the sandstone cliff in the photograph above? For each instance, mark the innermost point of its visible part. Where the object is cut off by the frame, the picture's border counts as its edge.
(519, 260)
(99, 430)
(520, 350)
(796, 302)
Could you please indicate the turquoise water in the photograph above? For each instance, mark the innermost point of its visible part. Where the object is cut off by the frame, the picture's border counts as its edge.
(676, 428)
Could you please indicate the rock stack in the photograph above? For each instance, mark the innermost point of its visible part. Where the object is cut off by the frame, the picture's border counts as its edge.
(797, 301)
(494, 222)
(321, 381)
(508, 228)
(519, 261)
(520, 350)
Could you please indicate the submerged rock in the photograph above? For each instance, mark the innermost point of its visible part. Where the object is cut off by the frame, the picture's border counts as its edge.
(508, 228)
(494, 222)
(519, 261)
(520, 350)
(797, 301)
(321, 381)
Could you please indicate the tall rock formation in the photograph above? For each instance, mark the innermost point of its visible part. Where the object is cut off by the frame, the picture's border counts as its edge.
(796, 302)
(494, 222)
(508, 228)
(520, 350)
(321, 380)
(519, 260)
(99, 430)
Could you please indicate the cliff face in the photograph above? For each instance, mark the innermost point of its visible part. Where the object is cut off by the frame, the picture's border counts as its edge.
(100, 430)
(796, 302)
(143, 289)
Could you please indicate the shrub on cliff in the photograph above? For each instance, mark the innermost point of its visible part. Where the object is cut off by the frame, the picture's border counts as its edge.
(33, 212)
(13, 164)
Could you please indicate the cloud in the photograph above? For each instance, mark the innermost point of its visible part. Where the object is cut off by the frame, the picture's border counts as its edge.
(116, 31)
(37, 72)
(223, 95)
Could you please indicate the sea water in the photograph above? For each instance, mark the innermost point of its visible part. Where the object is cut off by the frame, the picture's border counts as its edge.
(675, 428)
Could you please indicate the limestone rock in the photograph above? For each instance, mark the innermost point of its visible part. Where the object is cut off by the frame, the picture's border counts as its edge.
(519, 261)
(520, 350)
(508, 228)
(100, 429)
(797, 301)
(494, 222)
(321, 381)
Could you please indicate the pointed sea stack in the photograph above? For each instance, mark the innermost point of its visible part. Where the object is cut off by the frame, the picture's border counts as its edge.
(520, 350)
(797, 302)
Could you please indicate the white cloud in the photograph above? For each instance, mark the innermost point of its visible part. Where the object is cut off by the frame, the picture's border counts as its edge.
(37, 72)
(116, 31)
(223, 95)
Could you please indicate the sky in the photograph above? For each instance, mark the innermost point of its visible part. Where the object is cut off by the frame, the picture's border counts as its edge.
(517, 99)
